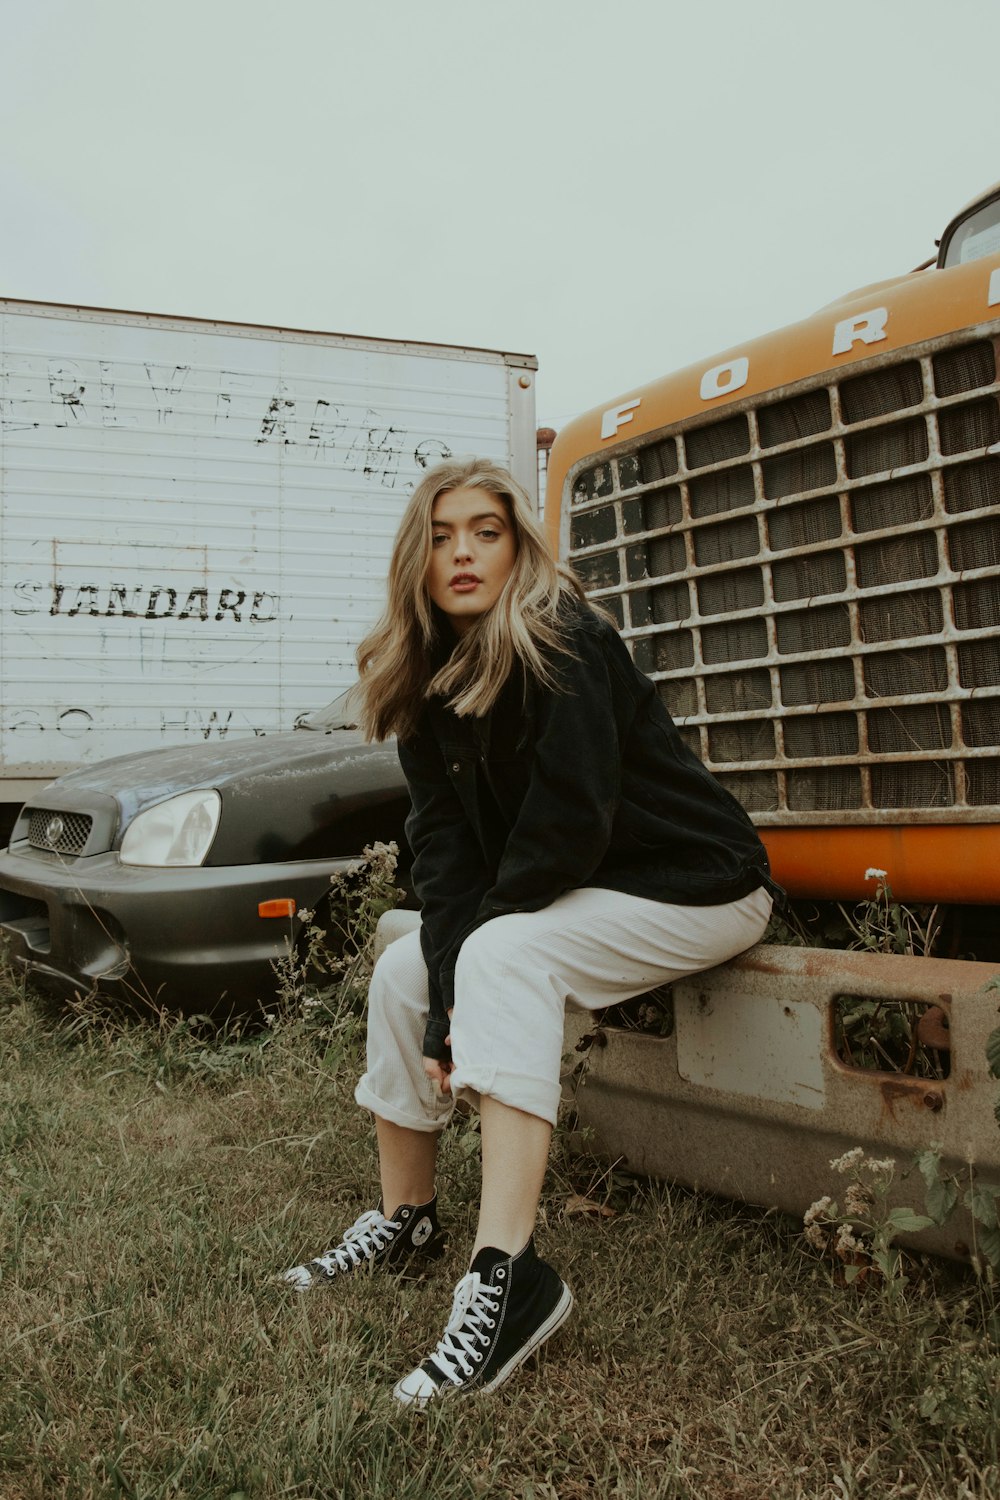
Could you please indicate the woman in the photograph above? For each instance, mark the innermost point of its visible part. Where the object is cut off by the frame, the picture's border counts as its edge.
(566, 845)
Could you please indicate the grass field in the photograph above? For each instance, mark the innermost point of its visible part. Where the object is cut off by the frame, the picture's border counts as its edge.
(153, 1181)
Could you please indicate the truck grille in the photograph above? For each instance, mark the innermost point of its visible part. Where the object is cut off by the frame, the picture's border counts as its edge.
(58, 832)
(814, 584)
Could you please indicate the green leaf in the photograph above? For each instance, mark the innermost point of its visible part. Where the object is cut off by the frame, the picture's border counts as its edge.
(993, 1052)
(982, 1204)
(851, 1273)
(907, 1222)
(929, 1164)
(942, 1196)
(887, 1262)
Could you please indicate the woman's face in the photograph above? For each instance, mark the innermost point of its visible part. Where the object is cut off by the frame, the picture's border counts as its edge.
(473, 551)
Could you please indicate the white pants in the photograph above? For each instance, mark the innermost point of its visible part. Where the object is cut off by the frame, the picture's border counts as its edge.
(512, 981)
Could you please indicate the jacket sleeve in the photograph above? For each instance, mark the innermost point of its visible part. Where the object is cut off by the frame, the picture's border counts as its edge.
(450, 876)
(564, 825)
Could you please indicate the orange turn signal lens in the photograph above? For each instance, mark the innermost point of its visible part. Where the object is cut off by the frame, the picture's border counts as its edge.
(282, 907)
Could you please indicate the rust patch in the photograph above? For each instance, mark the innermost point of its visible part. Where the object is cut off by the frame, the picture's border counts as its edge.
(819, 962)
(914, 1090)
(761, 966)
(933, 1028)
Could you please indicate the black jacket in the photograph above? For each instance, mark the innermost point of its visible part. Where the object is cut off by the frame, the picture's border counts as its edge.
(552, 790)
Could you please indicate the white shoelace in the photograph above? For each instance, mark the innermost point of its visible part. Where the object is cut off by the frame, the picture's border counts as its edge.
(372, 1232)
(468, 1327)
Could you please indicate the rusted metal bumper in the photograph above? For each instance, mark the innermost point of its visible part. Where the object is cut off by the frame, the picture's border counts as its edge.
(748, 1099)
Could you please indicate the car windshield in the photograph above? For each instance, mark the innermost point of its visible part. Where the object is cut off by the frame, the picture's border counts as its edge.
(977, 236)
(340, 714)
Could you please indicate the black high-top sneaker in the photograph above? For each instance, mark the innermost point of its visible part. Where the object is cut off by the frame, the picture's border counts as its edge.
(503, 1309)
(400, 1242)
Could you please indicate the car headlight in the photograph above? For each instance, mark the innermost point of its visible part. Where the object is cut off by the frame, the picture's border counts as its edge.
(176, 832)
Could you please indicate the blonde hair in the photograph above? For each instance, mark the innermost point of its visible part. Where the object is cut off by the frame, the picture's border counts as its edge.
(398, 662)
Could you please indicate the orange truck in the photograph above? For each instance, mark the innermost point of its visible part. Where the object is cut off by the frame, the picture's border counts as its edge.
(800, 541)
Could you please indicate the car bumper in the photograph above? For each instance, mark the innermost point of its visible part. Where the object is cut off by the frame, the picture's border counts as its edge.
(187, 938)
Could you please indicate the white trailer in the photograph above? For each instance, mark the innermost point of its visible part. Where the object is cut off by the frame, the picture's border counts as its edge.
(196, 517)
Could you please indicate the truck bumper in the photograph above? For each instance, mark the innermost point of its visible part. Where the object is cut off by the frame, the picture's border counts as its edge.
(187, 938)
(747, 1097)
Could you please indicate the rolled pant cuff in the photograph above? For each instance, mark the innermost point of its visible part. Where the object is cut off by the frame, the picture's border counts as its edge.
(367, 1100)
(535, 1096)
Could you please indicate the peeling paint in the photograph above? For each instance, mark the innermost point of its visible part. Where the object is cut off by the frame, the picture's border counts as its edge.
(143, 601)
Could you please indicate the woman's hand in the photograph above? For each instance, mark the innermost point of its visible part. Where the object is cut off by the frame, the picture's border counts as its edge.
(439, 1073)
(439, 1069)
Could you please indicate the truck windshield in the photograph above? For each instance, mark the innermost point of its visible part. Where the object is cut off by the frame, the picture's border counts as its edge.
(976, 236)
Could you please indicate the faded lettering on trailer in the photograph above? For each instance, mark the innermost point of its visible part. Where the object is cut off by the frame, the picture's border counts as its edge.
(54, 394)
(197, 517)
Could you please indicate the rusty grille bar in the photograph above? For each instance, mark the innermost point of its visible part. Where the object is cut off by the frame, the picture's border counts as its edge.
(813, 581)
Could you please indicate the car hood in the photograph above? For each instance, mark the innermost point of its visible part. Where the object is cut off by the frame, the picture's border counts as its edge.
(280, 792)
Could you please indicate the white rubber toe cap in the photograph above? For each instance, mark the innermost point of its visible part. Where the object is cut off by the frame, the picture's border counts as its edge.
(299, 1277)
(416, 1389)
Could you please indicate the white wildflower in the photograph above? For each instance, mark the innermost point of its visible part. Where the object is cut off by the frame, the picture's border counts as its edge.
(818, 1210)
(883, 1167)
(873, 874)
(849, 1160)
(816, 1236)
(305, 915)
(848, 1242)
(857, 1201)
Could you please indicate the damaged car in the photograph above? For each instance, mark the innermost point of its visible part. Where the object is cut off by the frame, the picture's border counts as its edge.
(177, 877)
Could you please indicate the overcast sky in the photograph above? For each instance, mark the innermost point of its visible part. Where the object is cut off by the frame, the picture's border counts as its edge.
(619, 188)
